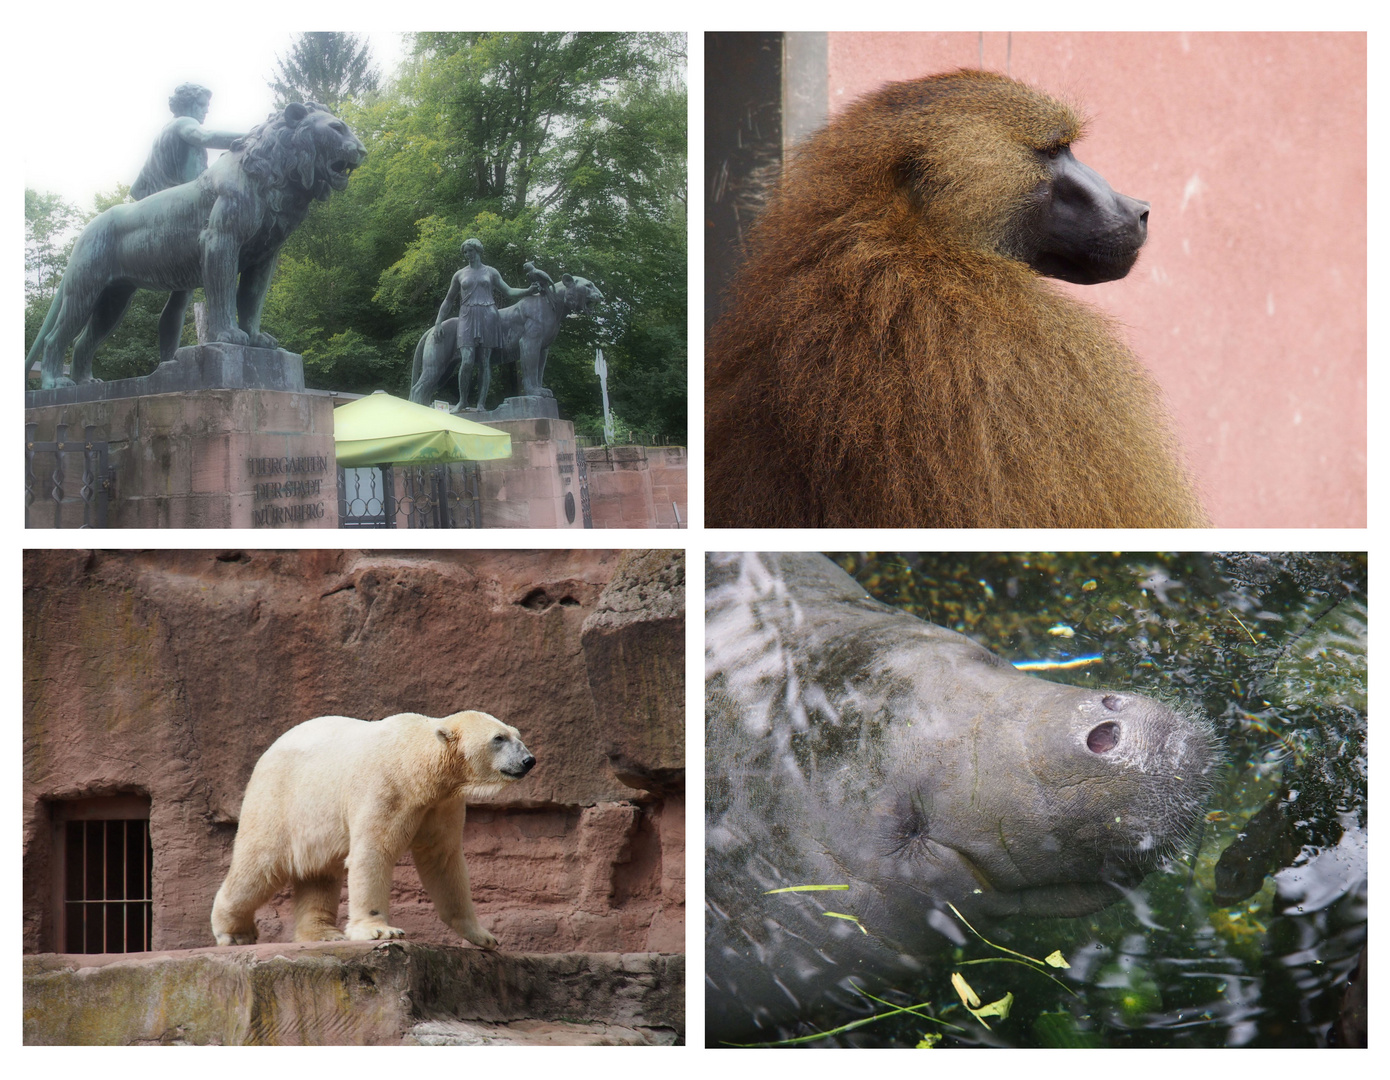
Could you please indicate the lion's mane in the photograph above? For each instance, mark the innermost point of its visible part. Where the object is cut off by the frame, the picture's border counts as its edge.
(285, 159)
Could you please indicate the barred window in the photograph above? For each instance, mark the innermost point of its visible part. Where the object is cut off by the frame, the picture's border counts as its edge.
(103, 867)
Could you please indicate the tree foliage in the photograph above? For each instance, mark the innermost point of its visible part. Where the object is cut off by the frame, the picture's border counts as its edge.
(566, 149)
(327, 67)
(50, 224)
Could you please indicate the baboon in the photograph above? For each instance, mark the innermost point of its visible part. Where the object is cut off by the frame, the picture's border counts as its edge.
(892, 355)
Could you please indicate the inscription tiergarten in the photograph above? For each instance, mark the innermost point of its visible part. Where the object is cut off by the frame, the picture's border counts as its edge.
(294, 485)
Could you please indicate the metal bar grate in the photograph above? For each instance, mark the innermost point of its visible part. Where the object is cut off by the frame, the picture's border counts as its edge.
(410, 496)
(109, 904)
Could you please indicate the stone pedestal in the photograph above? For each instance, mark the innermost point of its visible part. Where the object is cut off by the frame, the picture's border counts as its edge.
(538, 486)
(525, 407)
(353, 993)
(220, 437)
(215, 366)
(219, 459)
(637, 487)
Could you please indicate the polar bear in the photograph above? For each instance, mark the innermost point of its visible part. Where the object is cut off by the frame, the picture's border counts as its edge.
(336, 793)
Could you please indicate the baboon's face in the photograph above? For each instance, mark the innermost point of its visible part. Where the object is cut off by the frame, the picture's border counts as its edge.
(1084, 231)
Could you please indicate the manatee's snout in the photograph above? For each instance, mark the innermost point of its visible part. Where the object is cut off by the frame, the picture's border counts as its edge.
(1105, 736)
(1140, 731)
(1147, 768)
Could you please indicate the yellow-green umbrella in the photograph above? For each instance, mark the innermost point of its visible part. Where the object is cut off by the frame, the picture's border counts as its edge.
(380, 429)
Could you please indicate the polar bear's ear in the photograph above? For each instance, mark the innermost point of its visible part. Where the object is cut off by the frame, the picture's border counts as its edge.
(448, 736)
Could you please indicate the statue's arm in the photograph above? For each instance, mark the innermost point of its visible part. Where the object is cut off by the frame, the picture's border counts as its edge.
(193, 133)
(506, 290)
(451, 300)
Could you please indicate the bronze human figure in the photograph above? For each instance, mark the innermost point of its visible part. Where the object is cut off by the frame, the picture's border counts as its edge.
(222, 231)
(180, 154)
(529, 328)
(473, 290)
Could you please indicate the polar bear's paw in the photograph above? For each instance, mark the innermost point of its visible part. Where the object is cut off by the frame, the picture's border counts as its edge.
(479, 937)
(237, 939)
(372, 931)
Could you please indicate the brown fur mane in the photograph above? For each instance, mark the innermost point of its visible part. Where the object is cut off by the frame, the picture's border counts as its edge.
(886, 361)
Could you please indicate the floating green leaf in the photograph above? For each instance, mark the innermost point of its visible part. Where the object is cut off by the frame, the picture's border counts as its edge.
(805, 888)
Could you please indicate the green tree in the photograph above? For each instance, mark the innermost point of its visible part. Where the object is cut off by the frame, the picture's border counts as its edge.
(568, 149)
(50, 228)
(327, 67)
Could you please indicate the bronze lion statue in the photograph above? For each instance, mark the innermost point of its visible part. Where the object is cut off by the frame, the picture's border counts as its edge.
(529, 328)
(227, 224)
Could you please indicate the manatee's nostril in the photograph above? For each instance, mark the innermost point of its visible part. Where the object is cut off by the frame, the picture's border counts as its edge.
(1103, 738)
(1113, 703)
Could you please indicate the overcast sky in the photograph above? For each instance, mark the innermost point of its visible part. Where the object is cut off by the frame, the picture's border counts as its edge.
(105, 94)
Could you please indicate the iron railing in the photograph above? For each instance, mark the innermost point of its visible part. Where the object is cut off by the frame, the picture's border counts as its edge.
(45, 485)
(411, 497)
(631, 438)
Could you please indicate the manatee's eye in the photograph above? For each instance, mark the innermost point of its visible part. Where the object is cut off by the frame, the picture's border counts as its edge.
(907, 827)
(1103, 737)
(1113, 702)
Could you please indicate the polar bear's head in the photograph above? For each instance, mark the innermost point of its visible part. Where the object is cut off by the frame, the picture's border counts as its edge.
(487, 752)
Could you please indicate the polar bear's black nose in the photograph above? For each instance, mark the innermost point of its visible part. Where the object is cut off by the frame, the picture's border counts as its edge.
(526, 764)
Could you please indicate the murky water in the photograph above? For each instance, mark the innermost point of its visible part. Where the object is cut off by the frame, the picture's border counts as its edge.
(1250, 935)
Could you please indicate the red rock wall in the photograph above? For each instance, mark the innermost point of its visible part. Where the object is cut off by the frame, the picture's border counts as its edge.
(633, 487)
(169, 672)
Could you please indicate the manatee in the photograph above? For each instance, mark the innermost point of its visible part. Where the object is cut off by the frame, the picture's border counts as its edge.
(852, 744)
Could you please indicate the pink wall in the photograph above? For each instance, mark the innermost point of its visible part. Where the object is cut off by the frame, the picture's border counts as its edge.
(1249, 301)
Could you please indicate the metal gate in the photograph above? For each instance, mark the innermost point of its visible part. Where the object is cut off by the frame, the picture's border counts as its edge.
(410, 497)
(574, 473)
(98, 478)
(583, 463)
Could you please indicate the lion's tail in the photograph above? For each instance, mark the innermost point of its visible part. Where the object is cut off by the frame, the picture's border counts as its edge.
(36, 350)
(418, 365)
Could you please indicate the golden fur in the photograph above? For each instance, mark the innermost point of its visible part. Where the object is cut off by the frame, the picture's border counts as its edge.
(887, 359)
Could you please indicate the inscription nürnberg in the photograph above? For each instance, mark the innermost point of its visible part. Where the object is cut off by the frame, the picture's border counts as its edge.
(297, 483)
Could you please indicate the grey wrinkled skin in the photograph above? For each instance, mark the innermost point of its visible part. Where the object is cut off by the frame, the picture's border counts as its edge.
(848, 743)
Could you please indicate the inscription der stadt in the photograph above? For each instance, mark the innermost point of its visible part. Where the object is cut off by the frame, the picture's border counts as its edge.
(306, 487)
(289, 489)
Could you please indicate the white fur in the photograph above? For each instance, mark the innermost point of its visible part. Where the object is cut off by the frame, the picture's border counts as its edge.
(337, 794)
